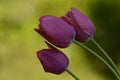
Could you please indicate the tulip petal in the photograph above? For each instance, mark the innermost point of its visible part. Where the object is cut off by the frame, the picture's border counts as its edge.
(53, 60)
(56, 31)
(83, 26)
(83, 21)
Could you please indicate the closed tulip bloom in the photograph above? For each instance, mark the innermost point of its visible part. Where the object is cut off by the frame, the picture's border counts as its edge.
(53, 60)
(56, 31)
(83, 26)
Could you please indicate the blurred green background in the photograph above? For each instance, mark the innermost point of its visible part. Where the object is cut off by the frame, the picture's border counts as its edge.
(19, 42)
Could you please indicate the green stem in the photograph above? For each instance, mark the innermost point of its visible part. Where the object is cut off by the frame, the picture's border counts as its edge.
(107, 56)
(99, 57)
(76, 78)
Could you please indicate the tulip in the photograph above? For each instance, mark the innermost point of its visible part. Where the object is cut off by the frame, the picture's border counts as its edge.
(56, 31)
(83, 26)
(53, 60)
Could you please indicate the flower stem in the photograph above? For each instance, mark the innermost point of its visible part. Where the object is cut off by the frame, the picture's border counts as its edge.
(107, 56)
(76, 78)
(99, 57)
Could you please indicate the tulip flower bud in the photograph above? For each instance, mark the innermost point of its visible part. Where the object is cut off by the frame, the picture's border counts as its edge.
(53, 60)
(56, 31)
(83, 26)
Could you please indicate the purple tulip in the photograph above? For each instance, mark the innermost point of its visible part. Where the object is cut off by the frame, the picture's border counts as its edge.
(53, 60)
(83, 26)
(56, 31)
